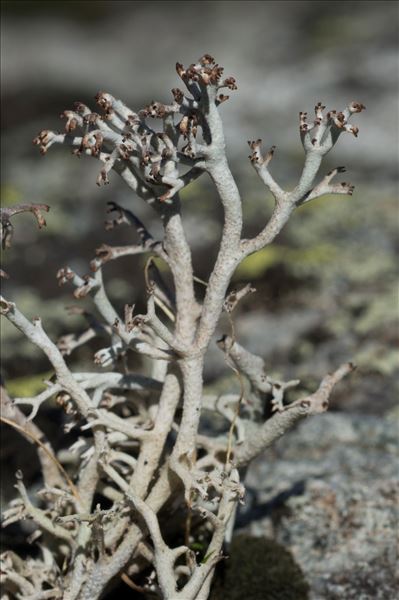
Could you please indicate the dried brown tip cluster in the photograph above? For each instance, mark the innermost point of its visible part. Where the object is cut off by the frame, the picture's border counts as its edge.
(64, 275)
(256, 156)
(84, 284)
(356, 107)
(43, 140)
(333, 118)
(123, 140)
(204, 73)
(71, 120)
(104, 102)
(348, 188)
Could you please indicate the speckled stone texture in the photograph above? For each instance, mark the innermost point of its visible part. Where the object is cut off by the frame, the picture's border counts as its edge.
(329, 492)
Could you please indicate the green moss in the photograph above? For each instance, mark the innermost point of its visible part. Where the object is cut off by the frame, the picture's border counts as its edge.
(382, 309)
(160, 264)
(195, 192)
(301, 259)
(378, 358)
(257, 264)
(28, 386)
(10, 195)
(259, 569)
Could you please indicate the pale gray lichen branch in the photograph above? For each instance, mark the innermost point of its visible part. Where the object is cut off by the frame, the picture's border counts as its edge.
(260, 437)
(317, 140)
(253, 368)
(6, 212)
(129, 337)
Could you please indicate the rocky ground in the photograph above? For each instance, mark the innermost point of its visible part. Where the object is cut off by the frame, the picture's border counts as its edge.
(328, 492)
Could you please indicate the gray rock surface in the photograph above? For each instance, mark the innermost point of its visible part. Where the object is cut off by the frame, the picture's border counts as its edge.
(329, 492)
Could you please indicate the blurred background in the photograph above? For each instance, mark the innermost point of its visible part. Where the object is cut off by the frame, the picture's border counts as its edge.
(326, 289)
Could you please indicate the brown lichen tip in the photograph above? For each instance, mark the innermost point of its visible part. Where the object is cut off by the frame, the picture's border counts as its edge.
(43, 139)
(210, 75)
(339, 120)
(206, 72)
(222, 98)
(7, 212)
(180, 70)
(5, 306)
(103, 100)
(84, 289)
(71, 123)
(63, 275)
(254, 144)
(104, 251)
(80, 107)
(348, 187)
(356, 107)
(206, 60)
(178, 95)
(184, 125)
(155, 110)
(91, 118)
(230, 82)
(41, 221)
(303, 126)
(102, 178)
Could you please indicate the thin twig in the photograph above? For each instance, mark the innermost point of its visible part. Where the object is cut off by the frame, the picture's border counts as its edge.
(47, 452)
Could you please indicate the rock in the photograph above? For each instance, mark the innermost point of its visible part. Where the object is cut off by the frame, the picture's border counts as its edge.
(329, 492)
